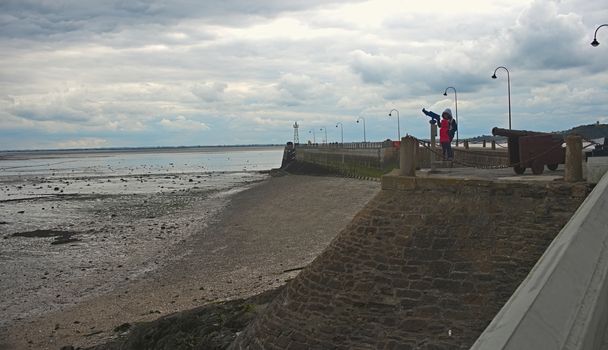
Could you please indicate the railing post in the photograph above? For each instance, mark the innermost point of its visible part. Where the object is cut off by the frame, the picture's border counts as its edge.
(493, 145)
(574, 158)
(407, 156)
(484, 143)
(466, 144)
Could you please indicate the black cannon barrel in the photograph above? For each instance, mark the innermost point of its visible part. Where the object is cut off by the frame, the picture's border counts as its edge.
(514, 133)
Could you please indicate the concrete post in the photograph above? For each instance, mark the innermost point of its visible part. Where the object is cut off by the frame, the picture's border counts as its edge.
(574, 158)
(407, 156)
(493, 145)
(466, 144)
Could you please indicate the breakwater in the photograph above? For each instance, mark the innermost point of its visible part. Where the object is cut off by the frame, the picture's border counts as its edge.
(352, 158)
(426, 264)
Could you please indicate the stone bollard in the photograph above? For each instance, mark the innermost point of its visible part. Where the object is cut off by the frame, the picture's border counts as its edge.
(466, 144)
(574, 158)
(407, 156)
(493, 145)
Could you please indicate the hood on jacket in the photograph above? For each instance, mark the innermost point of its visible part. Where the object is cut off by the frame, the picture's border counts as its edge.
(448, 111)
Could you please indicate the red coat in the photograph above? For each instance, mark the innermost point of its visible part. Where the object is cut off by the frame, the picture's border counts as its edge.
(444, 135)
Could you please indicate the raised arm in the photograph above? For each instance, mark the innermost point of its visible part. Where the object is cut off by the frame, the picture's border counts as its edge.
(430, 114)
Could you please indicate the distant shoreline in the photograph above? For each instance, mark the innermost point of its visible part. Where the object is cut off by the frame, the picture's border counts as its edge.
(62, 153)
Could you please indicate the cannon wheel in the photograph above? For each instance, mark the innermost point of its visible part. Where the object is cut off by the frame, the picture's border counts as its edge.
(519, 169)
(552, 167)
(537, 168)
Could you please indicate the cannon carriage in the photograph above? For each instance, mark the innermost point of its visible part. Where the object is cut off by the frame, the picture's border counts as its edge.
(534, 150)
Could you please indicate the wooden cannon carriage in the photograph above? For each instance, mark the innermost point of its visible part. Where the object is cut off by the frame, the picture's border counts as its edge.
(534, 150)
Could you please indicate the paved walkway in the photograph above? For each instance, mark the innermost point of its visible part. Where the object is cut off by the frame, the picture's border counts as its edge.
(506, 174)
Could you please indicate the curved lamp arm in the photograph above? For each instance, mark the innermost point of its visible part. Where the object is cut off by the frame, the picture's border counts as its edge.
(595, 43)
(398, 127)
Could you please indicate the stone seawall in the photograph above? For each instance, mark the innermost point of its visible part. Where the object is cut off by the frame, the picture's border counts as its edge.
(426, 264)
(346, 158)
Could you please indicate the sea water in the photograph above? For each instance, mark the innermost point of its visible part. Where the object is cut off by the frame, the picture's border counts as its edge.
(27, 174)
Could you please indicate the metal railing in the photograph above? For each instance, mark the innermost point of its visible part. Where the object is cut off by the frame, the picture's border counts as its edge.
(347, 145)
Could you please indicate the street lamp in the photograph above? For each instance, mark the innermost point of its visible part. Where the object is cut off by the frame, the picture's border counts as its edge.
(321, 129)
(509, 87)
(341, 131)
(314, 139)
(445, 93)
(595, 43)
(398, 128)
(361, 118)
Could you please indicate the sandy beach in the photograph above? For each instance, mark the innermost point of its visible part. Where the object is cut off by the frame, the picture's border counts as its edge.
(248, 242)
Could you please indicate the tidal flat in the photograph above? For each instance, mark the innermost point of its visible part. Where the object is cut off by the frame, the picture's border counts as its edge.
(67, 239)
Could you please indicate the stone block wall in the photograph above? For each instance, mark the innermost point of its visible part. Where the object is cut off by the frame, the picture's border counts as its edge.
(425, 265)
(334, 157)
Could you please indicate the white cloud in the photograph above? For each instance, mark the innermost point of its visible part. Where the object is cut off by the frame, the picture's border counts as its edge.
(181, 123)
(89, 142)
(209, 92)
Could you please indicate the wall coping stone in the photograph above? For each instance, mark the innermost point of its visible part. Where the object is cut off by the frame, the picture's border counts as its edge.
(393, 181)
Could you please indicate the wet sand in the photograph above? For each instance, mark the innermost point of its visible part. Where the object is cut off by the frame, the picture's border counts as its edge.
(247, 245)
(58, 248)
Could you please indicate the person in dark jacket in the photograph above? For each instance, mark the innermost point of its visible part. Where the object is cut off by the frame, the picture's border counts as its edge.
(445, 132)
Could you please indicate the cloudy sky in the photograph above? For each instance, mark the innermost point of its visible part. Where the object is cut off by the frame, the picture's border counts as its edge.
(115, 73)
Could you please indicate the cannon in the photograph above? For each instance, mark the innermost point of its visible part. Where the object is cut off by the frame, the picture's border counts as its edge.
(534, 150)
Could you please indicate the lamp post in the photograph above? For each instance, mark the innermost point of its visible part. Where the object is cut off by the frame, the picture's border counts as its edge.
(361, 118)
(398, 128)
(445, 93)
(341, 132)
(314, 138)
(596, 43)
(321, 129)
(509, 87)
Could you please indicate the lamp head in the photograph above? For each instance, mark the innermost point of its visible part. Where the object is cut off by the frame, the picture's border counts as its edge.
(445, 94)
(595, 43)
(493, 76)
(336, 125)
(357, 120)
(390, 114)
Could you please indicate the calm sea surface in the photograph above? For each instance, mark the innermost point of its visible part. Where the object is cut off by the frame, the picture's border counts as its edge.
(140, 161)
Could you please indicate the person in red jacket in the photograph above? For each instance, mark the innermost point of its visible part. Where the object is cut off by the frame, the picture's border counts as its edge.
(445, 136)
